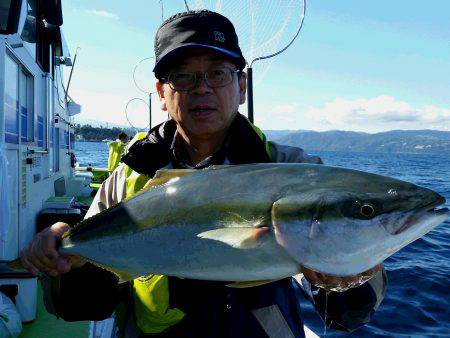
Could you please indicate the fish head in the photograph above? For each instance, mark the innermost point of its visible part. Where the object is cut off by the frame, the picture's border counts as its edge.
(352, 221)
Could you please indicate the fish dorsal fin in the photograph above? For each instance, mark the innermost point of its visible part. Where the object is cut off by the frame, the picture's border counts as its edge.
(168, 174)
(250, 284)
(163, 176)
(240, 238)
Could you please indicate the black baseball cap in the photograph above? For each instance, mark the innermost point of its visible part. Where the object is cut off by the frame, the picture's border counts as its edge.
(195, 29)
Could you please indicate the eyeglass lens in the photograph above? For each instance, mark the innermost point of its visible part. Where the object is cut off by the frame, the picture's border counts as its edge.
(214, 78)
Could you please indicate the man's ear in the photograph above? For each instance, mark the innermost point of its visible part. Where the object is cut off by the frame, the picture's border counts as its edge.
(242, 87)
(160, 90)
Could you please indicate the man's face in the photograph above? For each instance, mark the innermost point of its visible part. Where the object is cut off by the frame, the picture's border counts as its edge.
(203, 111)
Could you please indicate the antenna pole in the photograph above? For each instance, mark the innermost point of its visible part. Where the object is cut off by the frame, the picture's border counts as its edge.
(250, 93)
(70, 76)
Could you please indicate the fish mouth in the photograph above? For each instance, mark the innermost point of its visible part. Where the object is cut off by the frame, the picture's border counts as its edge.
(427, 211)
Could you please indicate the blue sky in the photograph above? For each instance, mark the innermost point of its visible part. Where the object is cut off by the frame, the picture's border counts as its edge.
(357, 65)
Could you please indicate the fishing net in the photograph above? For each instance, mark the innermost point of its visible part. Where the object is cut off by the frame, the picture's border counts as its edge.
(143, 76)
(264, 27)
(138, 111)
(137, 114)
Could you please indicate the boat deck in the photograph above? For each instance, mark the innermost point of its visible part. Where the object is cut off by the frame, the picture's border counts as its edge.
(48, 326)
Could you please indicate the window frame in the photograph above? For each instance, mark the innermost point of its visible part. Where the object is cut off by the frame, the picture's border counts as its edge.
(31, 138)
(25, 75)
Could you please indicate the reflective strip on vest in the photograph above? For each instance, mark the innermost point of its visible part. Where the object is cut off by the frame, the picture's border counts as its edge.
(151, 293)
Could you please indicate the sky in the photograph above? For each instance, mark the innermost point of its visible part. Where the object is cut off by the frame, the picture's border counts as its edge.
(356, 65)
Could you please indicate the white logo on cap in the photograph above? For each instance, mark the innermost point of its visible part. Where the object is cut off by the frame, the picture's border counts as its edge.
(219, 36)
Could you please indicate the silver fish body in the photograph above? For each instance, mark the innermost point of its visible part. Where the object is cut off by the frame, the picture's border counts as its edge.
(258, 222)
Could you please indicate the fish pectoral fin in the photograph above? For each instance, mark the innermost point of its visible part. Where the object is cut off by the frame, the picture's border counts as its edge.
(250, 284)
(241, 238)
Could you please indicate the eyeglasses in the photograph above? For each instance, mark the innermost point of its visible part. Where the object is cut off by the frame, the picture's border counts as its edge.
(214, 78)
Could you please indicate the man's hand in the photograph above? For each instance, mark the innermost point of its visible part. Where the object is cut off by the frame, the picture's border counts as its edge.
(335, 283)
(41, 255)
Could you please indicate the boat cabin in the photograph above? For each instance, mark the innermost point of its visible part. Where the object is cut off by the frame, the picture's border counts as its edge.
(35, 119)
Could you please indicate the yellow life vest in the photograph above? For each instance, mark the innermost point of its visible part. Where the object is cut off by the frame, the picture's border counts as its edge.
(263, 138)
(116, 149)
(151, 293)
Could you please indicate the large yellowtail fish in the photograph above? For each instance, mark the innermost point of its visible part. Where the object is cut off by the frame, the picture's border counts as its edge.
(257, 222)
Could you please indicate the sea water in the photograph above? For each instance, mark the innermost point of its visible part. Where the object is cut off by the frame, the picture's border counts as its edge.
(417, 302)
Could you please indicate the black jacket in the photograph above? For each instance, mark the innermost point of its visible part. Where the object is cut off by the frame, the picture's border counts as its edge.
(211, 308)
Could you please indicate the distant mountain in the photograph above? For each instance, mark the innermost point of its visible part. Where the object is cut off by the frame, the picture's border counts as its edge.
(98, 124)
(277, 134)
(89, 133)
(395, 141)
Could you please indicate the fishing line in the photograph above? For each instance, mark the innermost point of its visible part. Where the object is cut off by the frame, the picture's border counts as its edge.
(327, 293)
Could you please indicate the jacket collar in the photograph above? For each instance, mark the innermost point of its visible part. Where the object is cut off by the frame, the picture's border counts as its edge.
(242, 145)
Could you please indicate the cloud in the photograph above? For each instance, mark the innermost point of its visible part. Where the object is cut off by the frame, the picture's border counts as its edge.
(104, 14)
(285, 112)
(380, 111)
(285, 108)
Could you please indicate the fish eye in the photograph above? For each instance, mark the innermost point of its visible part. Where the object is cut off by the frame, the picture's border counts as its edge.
(364, 210)
(367, 210)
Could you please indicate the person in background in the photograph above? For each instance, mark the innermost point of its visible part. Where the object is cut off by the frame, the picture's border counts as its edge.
(116, 150)
(201, 84)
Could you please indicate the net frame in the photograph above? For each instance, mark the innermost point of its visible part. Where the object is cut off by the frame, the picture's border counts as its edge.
(128, 119)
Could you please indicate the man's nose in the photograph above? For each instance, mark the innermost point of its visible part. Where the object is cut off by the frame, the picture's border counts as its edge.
(201, 87)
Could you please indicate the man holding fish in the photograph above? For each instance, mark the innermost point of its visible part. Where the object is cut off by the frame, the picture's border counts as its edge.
(201, 83)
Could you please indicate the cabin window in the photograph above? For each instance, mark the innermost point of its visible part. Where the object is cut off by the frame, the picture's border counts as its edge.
(4, 14)
(26, 107)
(56, 150)
(28, 34)
(40, 129)
(50, 116)
(9, 16)
(11, 100)
(18, 103)
(60, 91)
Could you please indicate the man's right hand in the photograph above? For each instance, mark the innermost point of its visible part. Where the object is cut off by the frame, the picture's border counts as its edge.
(41, 255)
